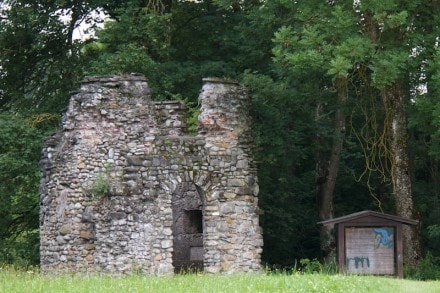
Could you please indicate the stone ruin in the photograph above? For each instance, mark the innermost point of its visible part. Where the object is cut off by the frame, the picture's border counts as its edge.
(124, 189)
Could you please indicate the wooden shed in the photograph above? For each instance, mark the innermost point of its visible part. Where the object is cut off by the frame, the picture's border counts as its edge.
(370, 243)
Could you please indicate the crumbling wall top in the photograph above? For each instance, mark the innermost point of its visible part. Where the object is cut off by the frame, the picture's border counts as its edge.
(219, 80)
(114, 78)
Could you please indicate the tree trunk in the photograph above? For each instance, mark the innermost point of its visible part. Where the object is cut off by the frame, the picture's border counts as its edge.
(393, 98)
(328, 172)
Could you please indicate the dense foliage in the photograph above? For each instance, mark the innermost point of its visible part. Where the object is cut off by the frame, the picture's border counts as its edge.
(310, 65)
(20, 147)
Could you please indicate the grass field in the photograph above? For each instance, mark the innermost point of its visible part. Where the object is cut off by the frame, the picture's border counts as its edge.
(20, 281)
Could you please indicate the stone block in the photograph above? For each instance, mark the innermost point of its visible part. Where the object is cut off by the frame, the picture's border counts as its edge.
(196, 253)
(65, 229)
(60, 240)
(135, 160)
(230, 257)
(90, 258)
(167, 232)
(89, 246)
(117, 215)
(225, 266)
(87, 215)
(87, 234)
(235, 182)
(166, 243)
(227, 208)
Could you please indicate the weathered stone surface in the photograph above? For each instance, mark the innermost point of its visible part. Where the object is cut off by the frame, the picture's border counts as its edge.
(89, 246)
(65, 229)
(87, 234)
(89, 258)
(117, 215)
(124, 188)
(135, 160)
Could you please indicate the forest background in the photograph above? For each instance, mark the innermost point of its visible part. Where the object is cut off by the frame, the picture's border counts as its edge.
(346, 104)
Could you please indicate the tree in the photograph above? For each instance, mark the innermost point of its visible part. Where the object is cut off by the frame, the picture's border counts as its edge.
(174, 48)
(377, 46)
(39, 65)
(324, 45)
(39, 58)
(390, 28)
(20, 146)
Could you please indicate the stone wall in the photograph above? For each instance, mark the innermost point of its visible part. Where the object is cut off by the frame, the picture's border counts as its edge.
(124, 189)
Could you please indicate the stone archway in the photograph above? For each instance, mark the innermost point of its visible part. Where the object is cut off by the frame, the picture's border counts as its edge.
(188, 208)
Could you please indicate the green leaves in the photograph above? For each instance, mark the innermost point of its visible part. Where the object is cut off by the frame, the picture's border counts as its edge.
(38, 63)
(388, 66)
(295, 53)
(379, 6)
(397, 19)
(20, 146)
(328, 45)
(340, 67)
(126, 59)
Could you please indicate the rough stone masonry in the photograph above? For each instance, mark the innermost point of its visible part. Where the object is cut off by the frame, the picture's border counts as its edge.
(124, 189)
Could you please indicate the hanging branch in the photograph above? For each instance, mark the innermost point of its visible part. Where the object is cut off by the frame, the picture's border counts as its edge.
(156, 7)
(373, 139)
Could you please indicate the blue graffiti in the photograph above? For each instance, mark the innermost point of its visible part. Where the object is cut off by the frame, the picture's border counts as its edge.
(358, 261)
(384, 237)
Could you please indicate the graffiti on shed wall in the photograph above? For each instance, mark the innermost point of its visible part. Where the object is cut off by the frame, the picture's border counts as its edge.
(370, 250)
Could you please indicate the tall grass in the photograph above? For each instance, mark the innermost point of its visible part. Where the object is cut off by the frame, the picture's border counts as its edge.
(32, 281)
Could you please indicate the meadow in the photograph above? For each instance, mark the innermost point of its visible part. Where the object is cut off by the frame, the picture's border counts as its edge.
(32, 281)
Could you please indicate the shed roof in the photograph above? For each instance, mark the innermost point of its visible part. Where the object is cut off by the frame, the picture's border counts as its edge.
(364, 214)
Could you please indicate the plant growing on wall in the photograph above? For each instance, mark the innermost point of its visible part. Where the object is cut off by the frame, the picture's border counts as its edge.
(101, 186)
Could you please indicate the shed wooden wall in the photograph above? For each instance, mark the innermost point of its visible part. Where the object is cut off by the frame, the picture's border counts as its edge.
(370, 250)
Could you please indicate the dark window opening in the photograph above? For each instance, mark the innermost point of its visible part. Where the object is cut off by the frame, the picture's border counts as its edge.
(193, 223)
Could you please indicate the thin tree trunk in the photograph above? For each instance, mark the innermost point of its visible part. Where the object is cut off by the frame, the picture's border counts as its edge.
(393, 98)
(327, 175)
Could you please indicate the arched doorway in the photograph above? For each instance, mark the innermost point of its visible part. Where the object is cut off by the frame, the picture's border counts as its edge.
(187, 206)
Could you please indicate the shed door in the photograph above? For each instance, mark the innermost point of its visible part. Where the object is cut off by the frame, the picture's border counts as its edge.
(370, 250)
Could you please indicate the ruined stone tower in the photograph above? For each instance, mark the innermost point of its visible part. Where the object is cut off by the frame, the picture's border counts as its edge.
(124, 188)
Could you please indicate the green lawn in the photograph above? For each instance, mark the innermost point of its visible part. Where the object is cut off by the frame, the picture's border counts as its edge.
(15, 281)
